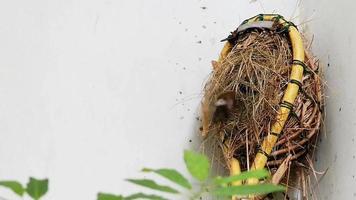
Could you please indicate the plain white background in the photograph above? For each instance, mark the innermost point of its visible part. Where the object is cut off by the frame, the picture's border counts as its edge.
(334, 28)
(93, 90)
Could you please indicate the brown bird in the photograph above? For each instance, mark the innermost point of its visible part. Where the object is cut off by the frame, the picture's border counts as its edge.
(224, 105)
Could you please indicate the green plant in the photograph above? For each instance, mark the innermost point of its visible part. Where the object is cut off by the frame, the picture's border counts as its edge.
(35, 188)
(198, 166)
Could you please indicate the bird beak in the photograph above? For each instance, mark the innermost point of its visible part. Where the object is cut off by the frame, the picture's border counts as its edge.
(220, 102)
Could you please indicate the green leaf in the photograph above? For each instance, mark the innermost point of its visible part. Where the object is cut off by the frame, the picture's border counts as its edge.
(14, 186)
(263, 173)
(153, 185)
(248, 189)
(104, 196)
(37, 188)
(172, 175)
(144, 196)
(197, 164)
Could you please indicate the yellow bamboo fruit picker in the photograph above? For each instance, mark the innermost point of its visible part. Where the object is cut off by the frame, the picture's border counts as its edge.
(250, 75)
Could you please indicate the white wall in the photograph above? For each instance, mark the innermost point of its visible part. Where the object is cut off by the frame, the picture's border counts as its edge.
(334, 27)
(90, 89)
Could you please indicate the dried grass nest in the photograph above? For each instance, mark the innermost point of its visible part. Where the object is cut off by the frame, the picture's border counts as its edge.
(255, 75)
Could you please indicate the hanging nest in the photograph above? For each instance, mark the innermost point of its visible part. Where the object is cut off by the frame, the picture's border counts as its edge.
(242, 100)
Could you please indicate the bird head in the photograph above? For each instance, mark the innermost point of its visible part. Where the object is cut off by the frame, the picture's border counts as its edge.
(226, 99)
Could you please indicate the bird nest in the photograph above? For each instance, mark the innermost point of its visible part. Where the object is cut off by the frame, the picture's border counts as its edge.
(241, 101)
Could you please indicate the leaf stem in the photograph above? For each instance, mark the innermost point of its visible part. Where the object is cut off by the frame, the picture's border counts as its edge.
(202, 190)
